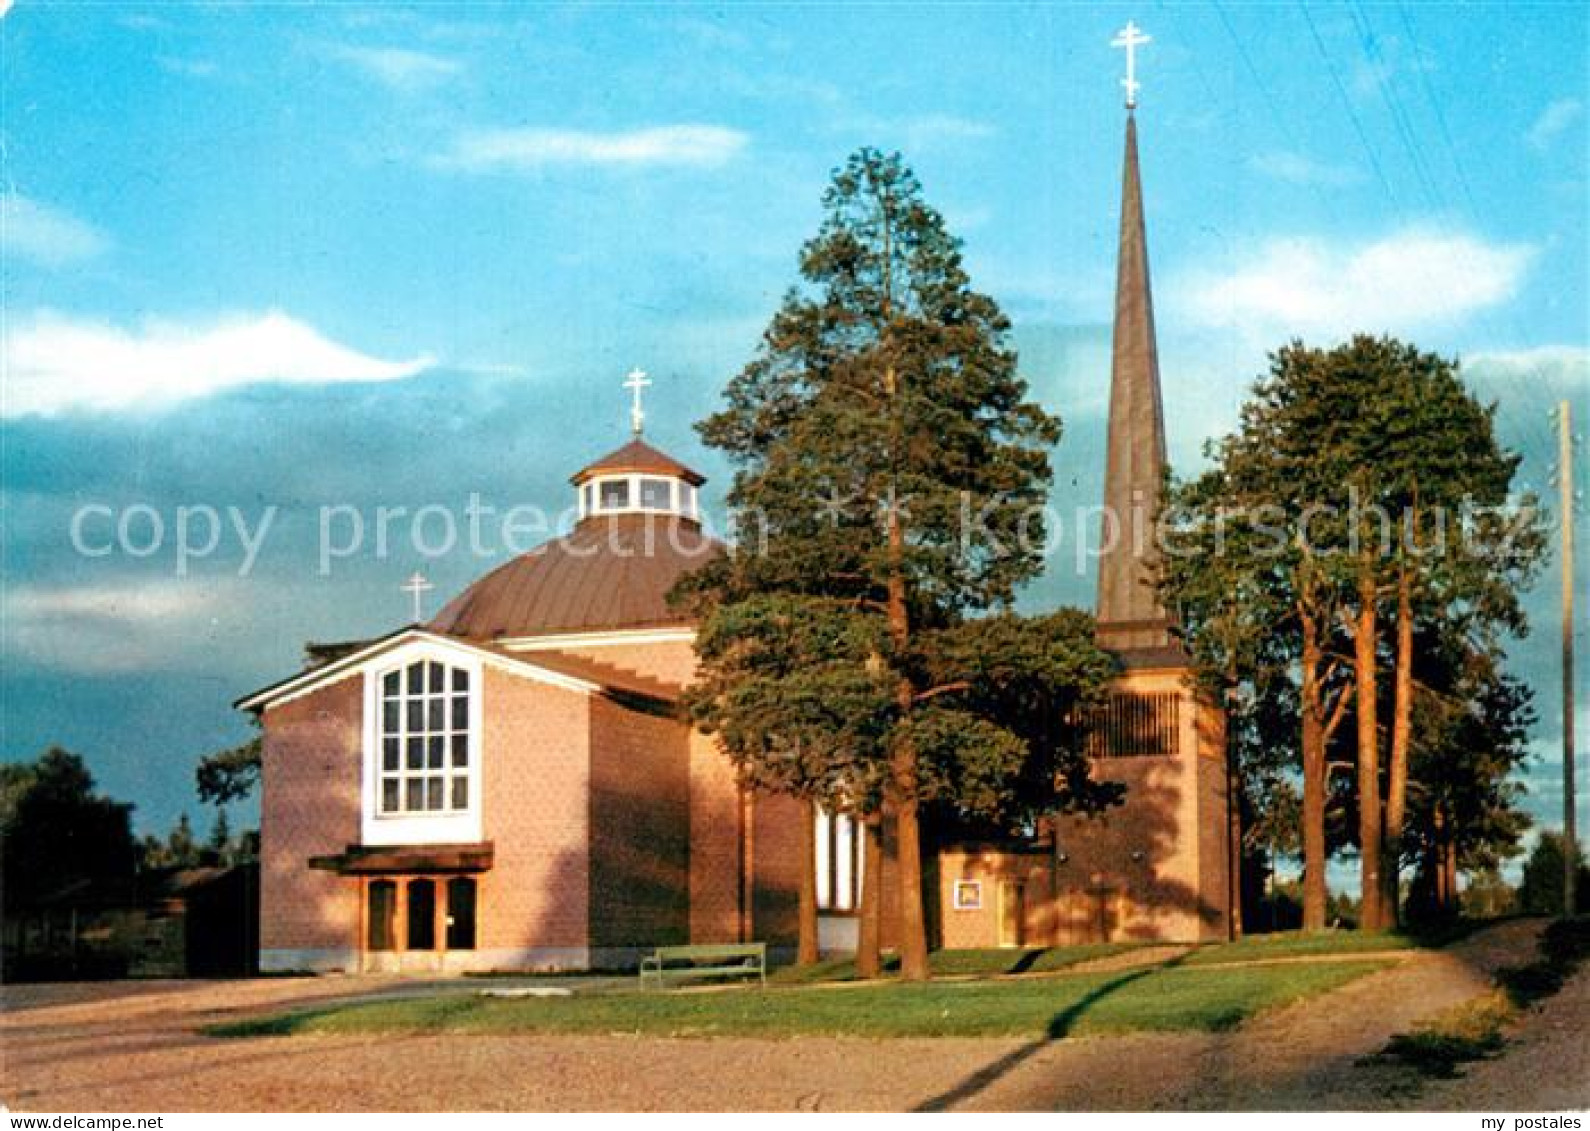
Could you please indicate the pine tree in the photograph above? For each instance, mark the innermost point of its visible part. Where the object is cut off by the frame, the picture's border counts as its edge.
(890, 476)
(182, 849)
(1364, 486)
(220, 842)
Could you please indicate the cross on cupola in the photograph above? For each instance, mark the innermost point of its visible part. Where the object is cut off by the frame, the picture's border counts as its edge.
(637, 382)
(1131, 37)
(637, 478)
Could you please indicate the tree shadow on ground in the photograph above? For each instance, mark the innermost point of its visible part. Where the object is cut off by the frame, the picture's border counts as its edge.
(1060, 1026)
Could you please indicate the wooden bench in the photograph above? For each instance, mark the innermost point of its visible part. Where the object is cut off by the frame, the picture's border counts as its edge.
(685, 963)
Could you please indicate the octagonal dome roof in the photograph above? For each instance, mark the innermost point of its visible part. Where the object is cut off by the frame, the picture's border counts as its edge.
(613, 571)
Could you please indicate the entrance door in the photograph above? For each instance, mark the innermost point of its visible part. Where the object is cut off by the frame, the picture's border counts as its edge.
(411, 923)
(460, 913)
(1011, 912)
(382, 917)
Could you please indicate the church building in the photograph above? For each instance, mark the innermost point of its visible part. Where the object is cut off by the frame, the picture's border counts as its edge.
(509, 785)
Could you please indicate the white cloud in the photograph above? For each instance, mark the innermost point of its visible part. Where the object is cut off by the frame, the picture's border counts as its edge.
(1549, 372)
(399, 67)
(1414, 278)
(535, 147)
(118, 627)
(1538, 359)
(192, 68)
(54, 364)
(1296, 169)
(45, 235)
(1554, 120)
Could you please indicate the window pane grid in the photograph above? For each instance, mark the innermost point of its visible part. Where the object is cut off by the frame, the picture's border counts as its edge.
(425, 739)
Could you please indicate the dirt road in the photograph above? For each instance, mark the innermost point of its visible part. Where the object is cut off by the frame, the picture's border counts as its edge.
(136, 1047)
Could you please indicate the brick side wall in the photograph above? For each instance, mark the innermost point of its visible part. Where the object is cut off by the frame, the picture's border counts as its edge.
(1131, 872)
(640, 828)
(1137, 871)
(309, 806)
(1027, 873)
(1213, 814)
(715, 832)
(776, 821)
(536, 759)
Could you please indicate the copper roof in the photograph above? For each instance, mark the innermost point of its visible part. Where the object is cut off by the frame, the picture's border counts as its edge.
(610, 572)
(638, 455)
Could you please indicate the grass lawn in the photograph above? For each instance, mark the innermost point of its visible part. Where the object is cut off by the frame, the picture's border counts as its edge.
(1305, 944)
(1154, 998)
(983, 963)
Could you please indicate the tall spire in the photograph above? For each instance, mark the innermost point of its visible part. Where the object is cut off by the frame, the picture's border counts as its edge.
(1130, 614)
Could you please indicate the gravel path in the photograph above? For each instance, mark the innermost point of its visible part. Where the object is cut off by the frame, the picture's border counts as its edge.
(1545, 1067)
(1305, 1057)
(134, 1047)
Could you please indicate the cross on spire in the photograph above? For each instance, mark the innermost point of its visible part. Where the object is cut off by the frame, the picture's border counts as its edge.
(1131, 37)
(636, 382)
(415, 587)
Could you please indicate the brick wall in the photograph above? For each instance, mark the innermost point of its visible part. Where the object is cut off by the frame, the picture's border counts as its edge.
(309, 806)
(1027, 872)
(715, 832)
(536, 768)
(776, 825)
(640, 828)
(1151, 868)
(1213, 832)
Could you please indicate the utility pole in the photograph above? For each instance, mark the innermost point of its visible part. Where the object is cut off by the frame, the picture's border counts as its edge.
(1565, 502)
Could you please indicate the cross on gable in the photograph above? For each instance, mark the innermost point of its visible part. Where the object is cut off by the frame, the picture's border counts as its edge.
(416, 586)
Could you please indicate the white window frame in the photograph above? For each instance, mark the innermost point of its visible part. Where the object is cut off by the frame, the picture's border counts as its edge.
(841, 858)
(445, 827)
(681, 495)
(968, 895)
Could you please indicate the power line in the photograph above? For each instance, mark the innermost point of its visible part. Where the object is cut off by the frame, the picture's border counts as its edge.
(1347, 104)
(1535, 433)
(1388, 94)
(1440, 115)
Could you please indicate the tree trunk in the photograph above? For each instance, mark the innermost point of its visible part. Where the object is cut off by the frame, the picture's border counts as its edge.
(1233, 837)
(1449, 869)
(1313, 723)
(1234, 868)
(1435, 859)
(913, 922)
(868, 959)
(806, 945)
(1401, 736)
(903, 768)
(1371, 840)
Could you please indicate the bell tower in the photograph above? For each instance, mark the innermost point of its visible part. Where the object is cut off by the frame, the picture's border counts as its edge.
(1158, 865)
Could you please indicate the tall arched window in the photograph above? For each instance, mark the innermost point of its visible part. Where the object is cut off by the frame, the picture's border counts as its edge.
(424, 739)
(838, 863)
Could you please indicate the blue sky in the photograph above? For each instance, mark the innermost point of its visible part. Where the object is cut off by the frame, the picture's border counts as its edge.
(365, 255)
